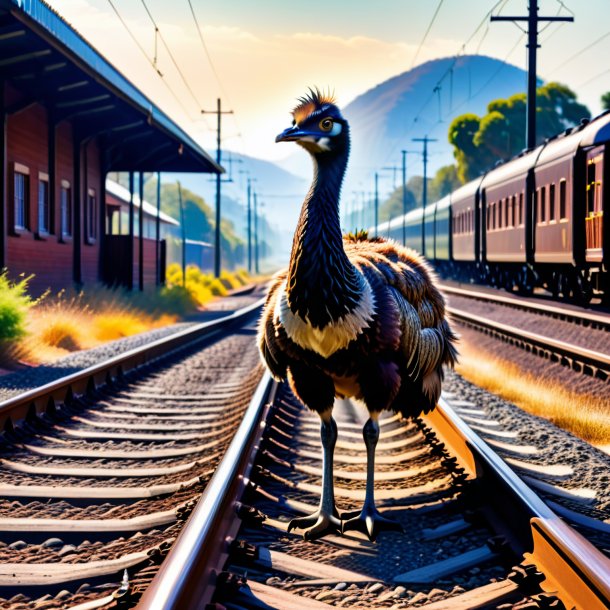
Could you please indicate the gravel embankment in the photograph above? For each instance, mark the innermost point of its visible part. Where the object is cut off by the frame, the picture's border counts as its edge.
(591, 467)
(561, 330)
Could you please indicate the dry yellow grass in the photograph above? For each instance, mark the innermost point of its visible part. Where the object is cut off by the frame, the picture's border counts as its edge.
(55, 330)
(584, 416)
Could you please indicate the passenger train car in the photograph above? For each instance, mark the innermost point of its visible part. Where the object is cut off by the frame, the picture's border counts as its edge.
(536, 220)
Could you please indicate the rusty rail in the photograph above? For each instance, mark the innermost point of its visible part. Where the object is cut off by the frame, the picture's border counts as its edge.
(187, 576)
(46, 397)
(575, 570)
(585, 318)
(595, 363)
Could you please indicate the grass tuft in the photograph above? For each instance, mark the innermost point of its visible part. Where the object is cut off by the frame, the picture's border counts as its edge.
(582, 415)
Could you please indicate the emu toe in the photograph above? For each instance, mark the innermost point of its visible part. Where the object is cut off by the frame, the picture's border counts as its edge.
(316, 525)
(369, 521)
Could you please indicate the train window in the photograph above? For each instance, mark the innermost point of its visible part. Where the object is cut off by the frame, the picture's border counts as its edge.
(552, 201)
(542, 204)
(513, 210)
(509, 204)
(521, 209)
(500, 206)
(562, 199)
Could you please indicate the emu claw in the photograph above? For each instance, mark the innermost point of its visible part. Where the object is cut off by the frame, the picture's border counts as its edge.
(369, 521)
(316, 525)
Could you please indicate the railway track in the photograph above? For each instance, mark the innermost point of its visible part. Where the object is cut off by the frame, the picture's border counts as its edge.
(475, 535)
(588, 330)
(100, 470)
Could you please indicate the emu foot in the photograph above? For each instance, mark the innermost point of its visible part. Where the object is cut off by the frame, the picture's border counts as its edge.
(369, 521)
(318, 524)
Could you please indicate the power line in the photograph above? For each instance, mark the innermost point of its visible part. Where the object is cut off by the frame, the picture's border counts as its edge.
(150, 61)
(587, 82)
(421, 44)
(579, 53)
(158, 31)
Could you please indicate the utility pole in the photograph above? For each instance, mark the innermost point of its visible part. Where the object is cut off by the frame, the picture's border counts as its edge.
(424, 198)
(219, 112)
(404, 197)
(532, 46)
(376, 203)
(394, 169)
(255, 235)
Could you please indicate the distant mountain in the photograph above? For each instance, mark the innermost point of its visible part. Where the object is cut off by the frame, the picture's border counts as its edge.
(384, 119)
(279, 191)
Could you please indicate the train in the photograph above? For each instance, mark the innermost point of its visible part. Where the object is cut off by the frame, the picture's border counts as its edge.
(536, 220)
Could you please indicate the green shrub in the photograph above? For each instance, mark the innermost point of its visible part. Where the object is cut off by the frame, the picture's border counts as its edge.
(14, 305)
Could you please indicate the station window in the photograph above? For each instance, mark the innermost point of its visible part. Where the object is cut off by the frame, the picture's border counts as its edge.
(552, 201)
(43, 204)
(91, 215)
(562, 199)
(65, 206)
(21, 199)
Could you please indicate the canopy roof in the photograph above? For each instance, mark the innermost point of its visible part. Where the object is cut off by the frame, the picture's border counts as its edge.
(48, 62)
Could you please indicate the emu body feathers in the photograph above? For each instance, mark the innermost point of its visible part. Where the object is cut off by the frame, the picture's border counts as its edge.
(350, 317)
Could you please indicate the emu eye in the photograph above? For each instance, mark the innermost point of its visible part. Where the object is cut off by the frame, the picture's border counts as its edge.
(326, 124)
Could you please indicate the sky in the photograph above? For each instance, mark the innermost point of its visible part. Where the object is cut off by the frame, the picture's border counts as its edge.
(258, 56)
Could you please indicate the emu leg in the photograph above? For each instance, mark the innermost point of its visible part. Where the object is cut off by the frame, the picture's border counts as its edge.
(369, 520)
(326, 519)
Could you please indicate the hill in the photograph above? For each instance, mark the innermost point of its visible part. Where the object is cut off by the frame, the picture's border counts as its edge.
(385, 118)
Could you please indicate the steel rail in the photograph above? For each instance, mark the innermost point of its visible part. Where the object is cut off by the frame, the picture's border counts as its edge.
(565, 353)
(573, 567)
(187, 577)
(581, 317)
(45, 397)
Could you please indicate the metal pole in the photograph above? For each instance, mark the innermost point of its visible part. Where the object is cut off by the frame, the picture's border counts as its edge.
(141, 233)
(404, 197)
(532, 47)
(249, 225)
(376, 222)
(183, 227)
(255, 236)
(217, 249)
(425, 141)
(158, 233)
(131, 231)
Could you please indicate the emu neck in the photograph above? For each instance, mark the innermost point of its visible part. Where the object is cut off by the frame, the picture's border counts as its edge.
(322, 285)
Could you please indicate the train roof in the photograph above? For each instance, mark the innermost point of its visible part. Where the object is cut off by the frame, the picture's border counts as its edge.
(514, 168)
(597, 131)
(467, 190)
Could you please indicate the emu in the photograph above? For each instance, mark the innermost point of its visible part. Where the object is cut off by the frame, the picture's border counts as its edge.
(350, 317)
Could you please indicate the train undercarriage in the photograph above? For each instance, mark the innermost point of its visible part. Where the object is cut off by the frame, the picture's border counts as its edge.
(571, 283)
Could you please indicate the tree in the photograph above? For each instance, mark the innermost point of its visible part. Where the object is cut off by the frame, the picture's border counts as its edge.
(479, 142)
(606, 101)
(444, 182)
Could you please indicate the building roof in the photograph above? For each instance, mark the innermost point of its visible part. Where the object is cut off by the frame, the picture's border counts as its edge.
(122, 194)
(47, 61)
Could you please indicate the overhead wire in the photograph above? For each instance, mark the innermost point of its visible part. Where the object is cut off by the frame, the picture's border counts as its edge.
(423, 40)
(150, 61)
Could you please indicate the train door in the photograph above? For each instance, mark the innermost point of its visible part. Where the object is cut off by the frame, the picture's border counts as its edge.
(594, 213)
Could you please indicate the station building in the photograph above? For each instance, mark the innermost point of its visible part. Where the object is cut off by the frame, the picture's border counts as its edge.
(67, 118)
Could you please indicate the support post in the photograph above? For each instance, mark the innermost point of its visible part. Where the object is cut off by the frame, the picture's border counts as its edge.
(158, 233)
(3, 179)
(131, 231)
(376, 221)
(141, 233)
(77, 212)
(183, 231)
(249, 225)
(404, 197)
(255, 236)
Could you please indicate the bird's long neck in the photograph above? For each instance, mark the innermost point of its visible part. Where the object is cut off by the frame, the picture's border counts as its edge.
(323, 285)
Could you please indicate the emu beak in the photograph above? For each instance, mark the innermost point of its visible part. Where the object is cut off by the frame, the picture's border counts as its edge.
(292, 134)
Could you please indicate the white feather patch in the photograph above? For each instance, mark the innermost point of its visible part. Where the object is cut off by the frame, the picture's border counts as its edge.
(335, 335)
